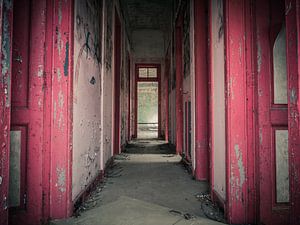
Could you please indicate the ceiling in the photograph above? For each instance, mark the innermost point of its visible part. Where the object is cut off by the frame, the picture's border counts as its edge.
(147, 14)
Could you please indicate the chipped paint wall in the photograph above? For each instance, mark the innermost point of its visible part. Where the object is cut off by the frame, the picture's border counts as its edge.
(87, 94)
(107, 82)
(218, 98)
(125, 82)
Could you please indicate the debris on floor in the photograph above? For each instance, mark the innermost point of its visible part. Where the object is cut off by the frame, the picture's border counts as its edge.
(134, 181)
(210, 210)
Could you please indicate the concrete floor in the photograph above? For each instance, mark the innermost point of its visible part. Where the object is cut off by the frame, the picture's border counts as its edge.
(144, 186)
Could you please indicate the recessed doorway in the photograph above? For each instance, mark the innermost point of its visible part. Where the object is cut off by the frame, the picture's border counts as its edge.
(147, 102)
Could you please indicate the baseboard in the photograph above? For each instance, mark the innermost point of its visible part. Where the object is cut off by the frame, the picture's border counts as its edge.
(92, 186)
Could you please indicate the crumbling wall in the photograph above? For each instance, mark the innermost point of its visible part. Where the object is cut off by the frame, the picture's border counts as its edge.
(87, 94)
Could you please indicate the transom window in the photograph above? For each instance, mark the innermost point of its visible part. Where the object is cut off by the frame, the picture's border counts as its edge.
(147, 72)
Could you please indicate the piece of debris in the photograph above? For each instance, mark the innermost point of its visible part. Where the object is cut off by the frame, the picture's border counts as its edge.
(186, 216)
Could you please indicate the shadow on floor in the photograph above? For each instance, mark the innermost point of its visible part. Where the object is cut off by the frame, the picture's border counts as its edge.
(149, 146)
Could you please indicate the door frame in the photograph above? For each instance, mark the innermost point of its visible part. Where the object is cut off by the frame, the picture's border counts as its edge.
(116, 84)
(179, 82)
(6, 24)
(293, 64)
(57, 200)
(138, 79)
(129, 97)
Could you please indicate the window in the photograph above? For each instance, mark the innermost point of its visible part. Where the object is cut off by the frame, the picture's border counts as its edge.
(147, 72)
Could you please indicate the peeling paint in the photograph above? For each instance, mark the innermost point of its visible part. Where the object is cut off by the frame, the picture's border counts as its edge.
(66, 64)
(60, 99)
(6, 43)
(54, 111)
(241, 167)
(59, 12)
(60, 119)
(230, 87)
(259, 57)
(40, 103)
(260, 136)
(40, 71)
(293, 96)
(59, 41)
(61, 179)
(58, 75)
(240, 51)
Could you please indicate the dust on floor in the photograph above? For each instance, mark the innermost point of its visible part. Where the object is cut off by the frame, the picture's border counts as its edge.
(149, 176)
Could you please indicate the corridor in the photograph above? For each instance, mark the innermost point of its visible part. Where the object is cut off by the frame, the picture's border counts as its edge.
(148, 184)
(187, 108)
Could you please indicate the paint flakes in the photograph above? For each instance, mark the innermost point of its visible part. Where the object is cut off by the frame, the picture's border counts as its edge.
(259, 57)
(54, 111)
(230, 86)
(60, 99)
(241, 167)
(40, 71)
(66, 64)
(59, 12)
(6, 43)
(58, 75)
(240, 52)
(260, 136)
(59, 41)
(61, 179)
(40, 104)
(293, 96)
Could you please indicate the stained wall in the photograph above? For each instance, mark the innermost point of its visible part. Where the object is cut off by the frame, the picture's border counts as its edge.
(87, 94)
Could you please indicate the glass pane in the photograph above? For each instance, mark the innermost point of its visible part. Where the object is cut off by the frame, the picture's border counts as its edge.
(147, 109)
(282, 166)
(143, 72)
(152, 72)
(280, 75)
(14, 168)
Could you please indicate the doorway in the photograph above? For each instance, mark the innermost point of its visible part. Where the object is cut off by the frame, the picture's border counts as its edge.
(117, 77)
(274, 136)
(25, 196)
(147, 101)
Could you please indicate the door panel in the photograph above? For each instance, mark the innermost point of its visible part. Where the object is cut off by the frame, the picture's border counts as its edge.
(20, 110)
(25, 190)
(17, 170)
(273, 114)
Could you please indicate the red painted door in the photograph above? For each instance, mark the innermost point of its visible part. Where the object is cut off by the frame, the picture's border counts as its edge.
(25, 187)
(274, 166)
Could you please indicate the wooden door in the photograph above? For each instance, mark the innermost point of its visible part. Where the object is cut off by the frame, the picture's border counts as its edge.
(274, 176)
(25, 185)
